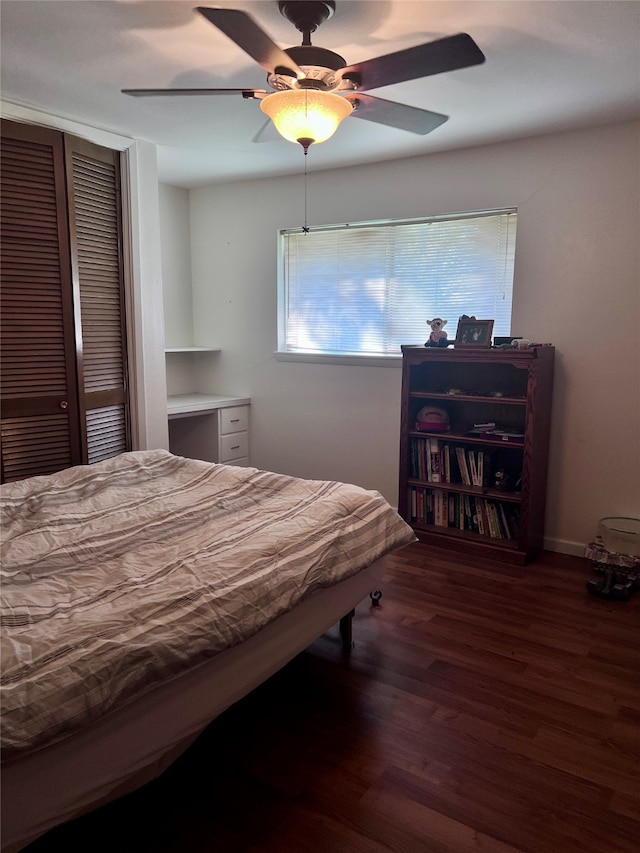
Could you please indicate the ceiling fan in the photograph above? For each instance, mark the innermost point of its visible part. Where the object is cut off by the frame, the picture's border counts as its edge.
(313, 89)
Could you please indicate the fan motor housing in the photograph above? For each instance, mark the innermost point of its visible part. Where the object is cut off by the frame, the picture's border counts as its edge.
(319, 65)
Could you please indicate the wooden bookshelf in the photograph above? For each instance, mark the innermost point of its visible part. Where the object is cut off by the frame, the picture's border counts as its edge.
(447, 489)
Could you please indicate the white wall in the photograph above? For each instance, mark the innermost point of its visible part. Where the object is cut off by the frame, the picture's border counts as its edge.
(577, 285)
(176, 266)
(177, 295)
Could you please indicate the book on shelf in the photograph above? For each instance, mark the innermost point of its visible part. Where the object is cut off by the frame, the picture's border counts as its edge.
(452, 510)
(434, 457)
(486, 519)
(468, 517)
(473, 468)
(462, 465)
(426, 459)
(494, 527)
(505, 523)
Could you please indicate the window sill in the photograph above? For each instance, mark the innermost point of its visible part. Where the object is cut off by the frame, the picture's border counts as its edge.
(360, 360)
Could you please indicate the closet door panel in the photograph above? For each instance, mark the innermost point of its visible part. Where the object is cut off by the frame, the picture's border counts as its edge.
(29, 443)
(37, 360)
(107, 432)
(93, 185)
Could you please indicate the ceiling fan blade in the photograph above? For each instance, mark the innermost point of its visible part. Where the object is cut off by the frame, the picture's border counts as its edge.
(393, 114)
(268, 133)
(245, 32)
(152, 93)
(446, 54)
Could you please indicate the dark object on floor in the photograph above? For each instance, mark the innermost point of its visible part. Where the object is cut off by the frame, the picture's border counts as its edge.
(616, 585)
(621, 572)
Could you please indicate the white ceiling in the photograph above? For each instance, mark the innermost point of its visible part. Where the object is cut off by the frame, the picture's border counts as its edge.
(549, 66)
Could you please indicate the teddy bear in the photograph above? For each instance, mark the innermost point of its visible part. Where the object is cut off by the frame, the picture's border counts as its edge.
(438, 336)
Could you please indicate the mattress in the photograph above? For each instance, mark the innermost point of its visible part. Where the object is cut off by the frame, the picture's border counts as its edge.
(126, 574)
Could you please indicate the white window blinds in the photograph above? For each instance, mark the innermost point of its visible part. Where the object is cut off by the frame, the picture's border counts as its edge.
(366, 289)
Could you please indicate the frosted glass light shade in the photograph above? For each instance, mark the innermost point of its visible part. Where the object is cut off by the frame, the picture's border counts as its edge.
(305, 114)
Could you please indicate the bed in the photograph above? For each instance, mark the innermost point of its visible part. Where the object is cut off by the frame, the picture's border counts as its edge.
(142, 596)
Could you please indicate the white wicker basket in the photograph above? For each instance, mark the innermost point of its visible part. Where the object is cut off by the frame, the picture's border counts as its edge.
(620, 535)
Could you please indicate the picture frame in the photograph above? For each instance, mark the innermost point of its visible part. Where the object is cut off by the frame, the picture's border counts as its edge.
(473, 333)
(505, 340)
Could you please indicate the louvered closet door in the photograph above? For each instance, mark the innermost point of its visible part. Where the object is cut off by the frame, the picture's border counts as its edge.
(39, 419)
(93, 184)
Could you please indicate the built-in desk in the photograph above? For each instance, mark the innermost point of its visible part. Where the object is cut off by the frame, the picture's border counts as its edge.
(212, 427)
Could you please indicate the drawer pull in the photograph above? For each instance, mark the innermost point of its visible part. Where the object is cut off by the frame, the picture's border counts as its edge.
(234, 420)
(236, 447)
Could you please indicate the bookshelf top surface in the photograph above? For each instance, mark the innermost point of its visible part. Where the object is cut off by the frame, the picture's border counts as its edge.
(415, 352)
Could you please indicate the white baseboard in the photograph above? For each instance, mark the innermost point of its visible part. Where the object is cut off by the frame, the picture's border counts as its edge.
(564, 546)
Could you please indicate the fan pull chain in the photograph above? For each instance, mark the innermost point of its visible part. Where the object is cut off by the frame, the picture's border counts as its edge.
(305, 227)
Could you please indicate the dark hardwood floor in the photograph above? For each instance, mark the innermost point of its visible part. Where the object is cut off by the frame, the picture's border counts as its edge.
(483, 708)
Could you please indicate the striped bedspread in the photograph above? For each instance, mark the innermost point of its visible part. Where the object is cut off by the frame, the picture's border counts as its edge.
(119, 575)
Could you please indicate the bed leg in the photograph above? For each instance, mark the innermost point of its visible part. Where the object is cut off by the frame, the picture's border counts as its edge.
(375, 597)
(346, 631)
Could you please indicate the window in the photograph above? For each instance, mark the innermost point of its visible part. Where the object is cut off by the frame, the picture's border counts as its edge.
(364, 289)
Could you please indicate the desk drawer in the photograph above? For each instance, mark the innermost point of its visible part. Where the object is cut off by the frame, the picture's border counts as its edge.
(234, 446)
(234, 419)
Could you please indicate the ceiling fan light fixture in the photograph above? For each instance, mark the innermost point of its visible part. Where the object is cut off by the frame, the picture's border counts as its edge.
(306, 114)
